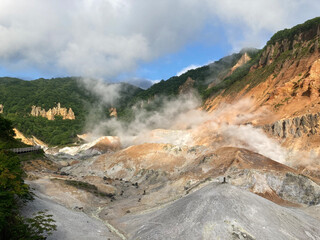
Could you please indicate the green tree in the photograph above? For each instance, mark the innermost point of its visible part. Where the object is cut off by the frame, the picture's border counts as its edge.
(13, 190)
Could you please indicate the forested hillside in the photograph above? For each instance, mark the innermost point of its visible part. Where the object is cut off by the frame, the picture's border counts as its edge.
(13, 191)
(17, 97)
(204, 76)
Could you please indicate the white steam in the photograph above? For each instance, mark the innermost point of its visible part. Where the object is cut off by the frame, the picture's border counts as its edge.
(249, 137)
(231, 125)
(180, 122)
(108, 94)
(171, 115)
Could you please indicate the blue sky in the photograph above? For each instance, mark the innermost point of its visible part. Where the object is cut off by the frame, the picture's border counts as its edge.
(208, 48)
(197, 53)
(118, 40)
(162, 68)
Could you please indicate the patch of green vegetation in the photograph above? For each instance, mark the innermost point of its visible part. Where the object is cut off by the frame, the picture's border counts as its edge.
(286, 99)
(278, 105)
(237, 75)
(297, 45)
(7, 134)
(275, 53)
(304, 51)
(81, 185)
(291, 33)
(295, 89)
(88, 187)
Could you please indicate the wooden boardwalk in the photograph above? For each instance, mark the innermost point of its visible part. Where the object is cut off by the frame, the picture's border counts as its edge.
(25, 150)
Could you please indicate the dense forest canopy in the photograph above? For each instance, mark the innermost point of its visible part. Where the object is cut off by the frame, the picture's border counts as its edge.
(18, 96)
(289, 34)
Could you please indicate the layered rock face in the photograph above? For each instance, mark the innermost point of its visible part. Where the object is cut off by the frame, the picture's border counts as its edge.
(1, 108)
(56, 111)
(297, 127)
(303, 41)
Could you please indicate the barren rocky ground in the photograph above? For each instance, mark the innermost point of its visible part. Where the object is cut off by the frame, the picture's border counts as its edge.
(221, 211)
(71, 224)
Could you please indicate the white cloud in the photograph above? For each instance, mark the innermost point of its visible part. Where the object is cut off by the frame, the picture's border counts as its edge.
(99, 38)
(104, 38)
(251, 23)
(186, 69)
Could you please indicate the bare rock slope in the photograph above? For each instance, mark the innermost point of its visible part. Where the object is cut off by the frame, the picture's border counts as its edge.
(71, 225)
(221, 211)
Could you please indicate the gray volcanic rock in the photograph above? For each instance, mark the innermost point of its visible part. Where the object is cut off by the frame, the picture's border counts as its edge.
(288, 186)
(221, 211)
(303, 125)
(71, 225)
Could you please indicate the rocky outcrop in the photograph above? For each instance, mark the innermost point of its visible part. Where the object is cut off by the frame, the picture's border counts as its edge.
(1, 108)
(243, 60)
(29, 140)
(55, 111)
(296, 127)
(113, 112)
(281, 187)
(303, 42)
(187, 86)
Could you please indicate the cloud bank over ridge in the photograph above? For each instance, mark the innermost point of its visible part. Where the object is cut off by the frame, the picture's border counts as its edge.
(105, 38)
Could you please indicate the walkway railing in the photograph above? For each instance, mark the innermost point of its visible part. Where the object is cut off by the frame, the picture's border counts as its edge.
(25, 150)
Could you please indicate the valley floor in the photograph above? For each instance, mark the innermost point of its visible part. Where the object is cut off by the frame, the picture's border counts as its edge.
(215, 211)
(71, 224)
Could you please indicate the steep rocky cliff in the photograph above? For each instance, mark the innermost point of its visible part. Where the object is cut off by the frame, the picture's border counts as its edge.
(284, 79)
(55, 111)
(297, 127)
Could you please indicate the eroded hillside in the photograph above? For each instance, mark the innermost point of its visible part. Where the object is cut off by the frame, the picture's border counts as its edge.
(284, 79)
